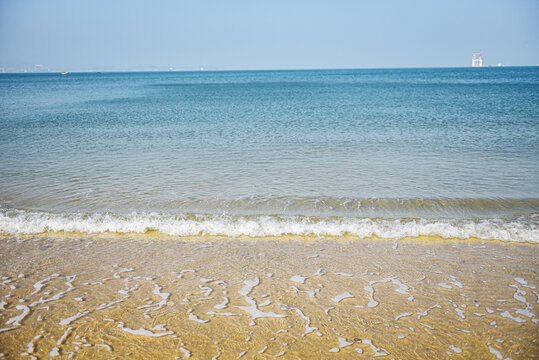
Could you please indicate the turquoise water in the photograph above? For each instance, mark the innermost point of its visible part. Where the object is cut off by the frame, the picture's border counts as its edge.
(273, 152)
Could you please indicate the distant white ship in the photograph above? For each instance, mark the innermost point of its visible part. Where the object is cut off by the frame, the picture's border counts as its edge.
(64, 73)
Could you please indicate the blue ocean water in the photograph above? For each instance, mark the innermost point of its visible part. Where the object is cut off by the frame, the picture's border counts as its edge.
(325, 152)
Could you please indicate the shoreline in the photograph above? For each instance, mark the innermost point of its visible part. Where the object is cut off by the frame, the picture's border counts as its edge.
(151, 235)
(152, 297)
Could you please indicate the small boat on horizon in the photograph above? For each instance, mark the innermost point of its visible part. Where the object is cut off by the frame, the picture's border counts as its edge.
(64, 73)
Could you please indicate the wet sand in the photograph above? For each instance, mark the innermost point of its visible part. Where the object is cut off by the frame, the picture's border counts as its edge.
(300, 298)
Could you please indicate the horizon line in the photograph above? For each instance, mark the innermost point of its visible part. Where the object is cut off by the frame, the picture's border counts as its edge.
(202, 69)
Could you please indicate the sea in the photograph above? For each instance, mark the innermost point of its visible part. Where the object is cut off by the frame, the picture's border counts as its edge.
(366, 153)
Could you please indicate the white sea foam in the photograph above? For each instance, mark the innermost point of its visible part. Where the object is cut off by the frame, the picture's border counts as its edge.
(456, 282)
(344, 274)
(206, 290)
(402, 315)
(496, 353)
(372, 302)
(319, 272)
(70, 319)
(186, 352)
(107, 305)
(344, 295)
(64, 336)
(508, 315)
(59, 295)
(425, 313)
(40, 284)
(54, 352)
(16, 320)
(460, 312)
(252, 309)
(299, 279)
(311, 294)
(344, 343)
(164, 296)
(377, 351)
(213, 313)
(223, 304)
(107, 347)
(143, 332)
(308, 328)
(31, 346)
(13, 222)
(195, 318)
(523, 282)
(444, 285)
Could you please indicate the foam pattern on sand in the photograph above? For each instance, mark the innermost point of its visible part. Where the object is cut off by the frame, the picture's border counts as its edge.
(301, 324)
(115, 309)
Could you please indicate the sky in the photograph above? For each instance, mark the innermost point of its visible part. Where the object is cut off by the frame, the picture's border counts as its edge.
(115, 35)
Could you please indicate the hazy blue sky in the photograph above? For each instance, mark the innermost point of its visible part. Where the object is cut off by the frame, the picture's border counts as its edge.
(278, 34)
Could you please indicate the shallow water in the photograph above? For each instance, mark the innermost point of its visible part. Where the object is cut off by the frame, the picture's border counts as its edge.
(332, 299)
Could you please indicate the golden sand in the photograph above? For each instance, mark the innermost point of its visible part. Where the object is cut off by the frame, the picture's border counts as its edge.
(165, 298)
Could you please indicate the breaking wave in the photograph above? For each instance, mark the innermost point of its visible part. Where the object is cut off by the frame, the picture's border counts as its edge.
(519, 229)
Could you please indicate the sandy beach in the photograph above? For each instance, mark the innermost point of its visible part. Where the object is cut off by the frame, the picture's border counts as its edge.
(310, 298)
